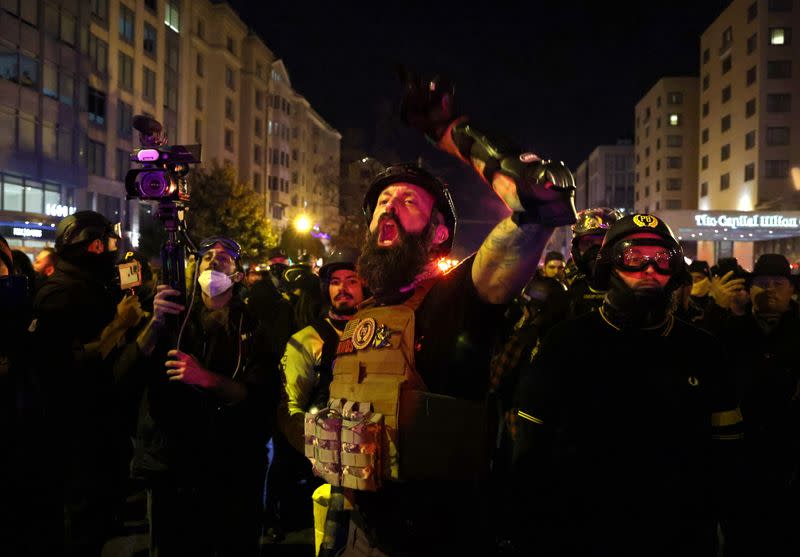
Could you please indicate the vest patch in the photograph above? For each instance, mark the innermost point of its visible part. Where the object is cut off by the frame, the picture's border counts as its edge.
(363, 333)
(345, 347)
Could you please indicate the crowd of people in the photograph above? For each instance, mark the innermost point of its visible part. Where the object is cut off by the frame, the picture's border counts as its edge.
(616, 402)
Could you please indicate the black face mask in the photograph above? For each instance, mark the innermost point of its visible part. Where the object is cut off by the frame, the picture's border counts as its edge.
(636, 308)
(100, 265)
(587, 260)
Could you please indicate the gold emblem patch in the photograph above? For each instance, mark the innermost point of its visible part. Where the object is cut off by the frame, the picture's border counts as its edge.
(363, 333)
(645, 220)
(693, 381)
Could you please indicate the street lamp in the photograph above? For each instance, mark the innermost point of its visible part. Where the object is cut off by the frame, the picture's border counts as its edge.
(302, 224)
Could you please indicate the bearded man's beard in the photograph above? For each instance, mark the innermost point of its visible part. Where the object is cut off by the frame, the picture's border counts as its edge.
(387, 269)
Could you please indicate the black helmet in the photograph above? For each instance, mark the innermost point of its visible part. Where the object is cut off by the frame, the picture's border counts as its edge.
(344, 258)
(592, 221)
(418, 176)
(595, 221)
(277, 253)
(295, 273)
(83, 227)
(633, 224)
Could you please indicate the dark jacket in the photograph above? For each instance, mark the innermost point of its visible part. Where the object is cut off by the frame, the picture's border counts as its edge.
(767, 373)
(70, 310)
(768, 381)
(188, 435)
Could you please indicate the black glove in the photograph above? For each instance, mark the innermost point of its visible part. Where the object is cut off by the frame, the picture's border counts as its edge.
(546, 190)
(427, 104)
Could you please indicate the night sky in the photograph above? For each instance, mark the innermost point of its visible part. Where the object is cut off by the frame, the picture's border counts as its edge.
(558, 78)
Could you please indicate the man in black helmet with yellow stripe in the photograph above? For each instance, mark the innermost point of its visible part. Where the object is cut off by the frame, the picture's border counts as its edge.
(620, 453)
(587, 237)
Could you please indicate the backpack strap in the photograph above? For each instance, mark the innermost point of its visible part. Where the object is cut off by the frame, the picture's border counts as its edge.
(324, 371)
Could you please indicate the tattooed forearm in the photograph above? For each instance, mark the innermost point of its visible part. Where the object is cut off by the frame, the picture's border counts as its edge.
(507, 259)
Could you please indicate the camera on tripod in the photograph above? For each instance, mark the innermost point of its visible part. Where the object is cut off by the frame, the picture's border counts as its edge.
(162, 176)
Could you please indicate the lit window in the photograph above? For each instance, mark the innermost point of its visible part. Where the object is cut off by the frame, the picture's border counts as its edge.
(172, 16)
(777, 36)
(674, 119)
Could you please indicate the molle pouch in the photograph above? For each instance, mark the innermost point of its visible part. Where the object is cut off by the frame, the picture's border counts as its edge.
(323, 442)
(309, 434)
(442, 437)
(362, 440)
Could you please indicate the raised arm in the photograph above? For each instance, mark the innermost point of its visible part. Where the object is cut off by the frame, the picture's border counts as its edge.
(540, 193)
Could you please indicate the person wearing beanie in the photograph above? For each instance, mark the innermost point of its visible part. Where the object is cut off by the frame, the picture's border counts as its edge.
(624, 449)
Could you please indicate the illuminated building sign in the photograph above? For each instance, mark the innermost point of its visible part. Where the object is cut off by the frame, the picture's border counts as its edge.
(26, 232)
(746, 221)
(55, 210)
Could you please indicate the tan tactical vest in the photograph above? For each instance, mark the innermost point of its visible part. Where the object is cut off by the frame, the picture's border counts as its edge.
(375, 363)
(423, 435)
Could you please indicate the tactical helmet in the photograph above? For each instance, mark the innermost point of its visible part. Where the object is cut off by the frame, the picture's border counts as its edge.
(418, 176)
(83, 227)
(277, 253)
(295, 273)
(591, 222)
(344, 258)
(595, 221)
(633, 224)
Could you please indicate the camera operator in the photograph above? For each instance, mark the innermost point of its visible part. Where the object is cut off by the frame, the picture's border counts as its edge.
(77, 320)
(204, 418)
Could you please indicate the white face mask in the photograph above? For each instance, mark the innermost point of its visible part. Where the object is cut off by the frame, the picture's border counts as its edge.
(214, 283)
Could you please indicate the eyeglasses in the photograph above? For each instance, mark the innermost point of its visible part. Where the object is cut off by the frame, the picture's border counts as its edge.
(634, 255)
(231, 247)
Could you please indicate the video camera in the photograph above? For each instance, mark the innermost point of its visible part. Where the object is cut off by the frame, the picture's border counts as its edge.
(162, 176)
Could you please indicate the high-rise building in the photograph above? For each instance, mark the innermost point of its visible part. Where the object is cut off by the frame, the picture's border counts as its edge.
(666, 146)
(750, 97)
(133, 47)
(213, 111)
(73, 74)
(609, 176)
(748, 160)
(315, 182)
(582, 186)
(43, 118)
